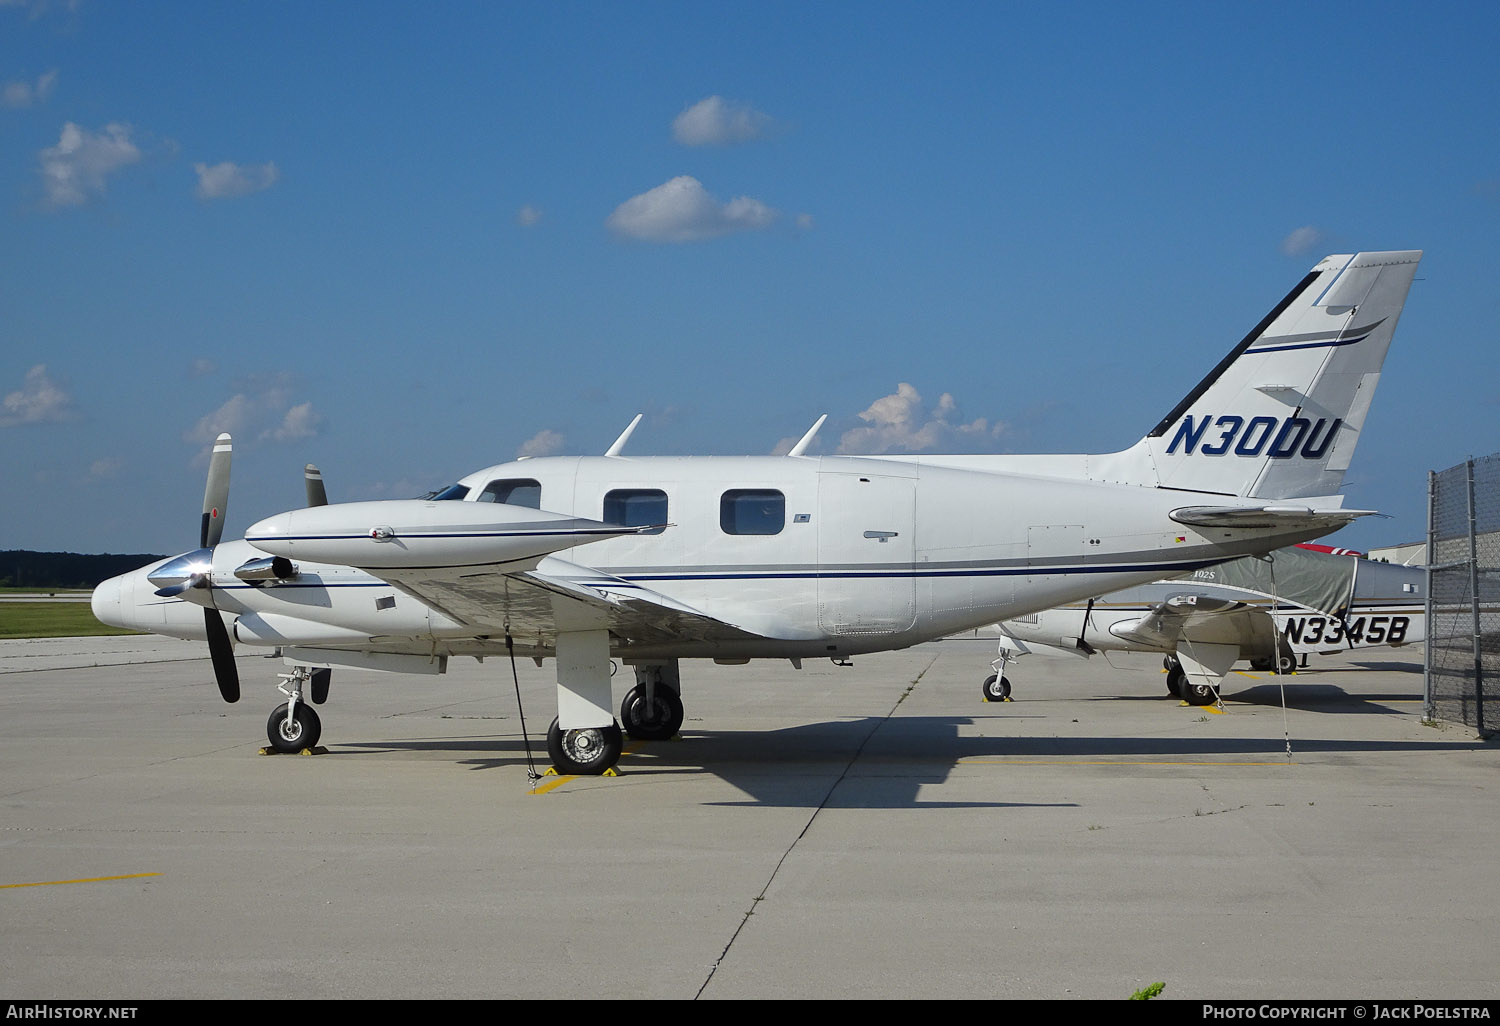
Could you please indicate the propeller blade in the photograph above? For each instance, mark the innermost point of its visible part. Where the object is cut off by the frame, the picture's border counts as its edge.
(216, 495)
(225, 673)
(320, 681)
(313, 477)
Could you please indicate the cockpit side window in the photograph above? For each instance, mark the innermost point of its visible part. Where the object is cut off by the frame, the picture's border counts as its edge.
(636, 507)
(453, 492)
(516, 491)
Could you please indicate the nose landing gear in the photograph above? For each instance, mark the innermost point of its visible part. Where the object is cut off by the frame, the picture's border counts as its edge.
(294, 727)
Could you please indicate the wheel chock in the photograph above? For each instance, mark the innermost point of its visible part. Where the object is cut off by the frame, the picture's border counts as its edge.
(551, 771)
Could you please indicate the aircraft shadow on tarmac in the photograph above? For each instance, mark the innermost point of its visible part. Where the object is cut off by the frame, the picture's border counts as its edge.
(881, 762)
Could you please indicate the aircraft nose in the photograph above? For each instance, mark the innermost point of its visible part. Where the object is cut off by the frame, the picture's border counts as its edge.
(106, 602)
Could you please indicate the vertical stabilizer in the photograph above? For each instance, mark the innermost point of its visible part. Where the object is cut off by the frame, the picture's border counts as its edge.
(1280, 416)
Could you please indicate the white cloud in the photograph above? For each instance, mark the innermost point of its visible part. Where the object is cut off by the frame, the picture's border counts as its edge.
(1301, 241)
(543, 443)
(21, 93)
(682, 211)
(219, 181)
(76, 168)
(263, 411)
(40, 8)
(716, 121)
(901, 421)
(105, 468)
(528, 215)
(301, 421)
(38, 401)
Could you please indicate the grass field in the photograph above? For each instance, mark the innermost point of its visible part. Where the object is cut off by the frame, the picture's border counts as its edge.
(52, 620)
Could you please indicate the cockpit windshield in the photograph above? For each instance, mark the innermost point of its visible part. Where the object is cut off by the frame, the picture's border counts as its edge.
(453, 491)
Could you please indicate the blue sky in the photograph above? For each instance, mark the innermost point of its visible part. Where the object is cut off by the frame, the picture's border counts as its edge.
(407, 241)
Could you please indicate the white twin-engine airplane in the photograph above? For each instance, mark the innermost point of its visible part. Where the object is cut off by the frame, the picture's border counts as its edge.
(654, 560)
(1268, 611)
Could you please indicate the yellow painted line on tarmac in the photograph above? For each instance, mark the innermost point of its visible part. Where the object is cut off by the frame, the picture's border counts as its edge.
(91, 879)
(982, 760)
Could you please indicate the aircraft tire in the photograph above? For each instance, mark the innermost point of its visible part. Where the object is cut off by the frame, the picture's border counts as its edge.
(1175, 677)
(1286, 660)
(655, 721)
(303, 732)
(585, 752)
(1194, 693)
(995, 688)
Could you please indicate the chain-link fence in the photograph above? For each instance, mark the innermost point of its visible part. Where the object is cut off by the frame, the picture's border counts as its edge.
(1463, 594)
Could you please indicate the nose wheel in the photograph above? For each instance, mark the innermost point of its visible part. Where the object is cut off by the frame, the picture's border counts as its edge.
(292, 735)
(295, 726)
(996, 688)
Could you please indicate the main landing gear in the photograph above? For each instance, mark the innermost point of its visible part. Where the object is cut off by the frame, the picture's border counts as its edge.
(651, 711)
(295, 726)
(1180, 685)
(1285, 661)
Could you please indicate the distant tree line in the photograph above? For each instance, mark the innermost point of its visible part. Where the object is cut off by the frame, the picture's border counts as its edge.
(22, 568)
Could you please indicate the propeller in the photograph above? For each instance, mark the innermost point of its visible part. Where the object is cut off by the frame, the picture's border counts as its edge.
(195, 570)
(215, 502)
(313, 478)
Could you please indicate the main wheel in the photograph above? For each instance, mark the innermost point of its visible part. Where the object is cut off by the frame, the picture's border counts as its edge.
(585, 752)
(302, 732)
(1194, 693)
(657, 720)
(995, 688)
(1286, 659)
(1175, 677)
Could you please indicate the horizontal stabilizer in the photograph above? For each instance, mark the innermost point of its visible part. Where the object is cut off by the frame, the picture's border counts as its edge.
(1281, 517)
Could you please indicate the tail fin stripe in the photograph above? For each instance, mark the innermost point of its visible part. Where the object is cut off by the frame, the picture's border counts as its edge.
(1315, 340)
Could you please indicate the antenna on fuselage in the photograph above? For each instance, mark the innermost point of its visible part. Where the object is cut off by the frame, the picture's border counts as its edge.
(801, 446)
(614, 450)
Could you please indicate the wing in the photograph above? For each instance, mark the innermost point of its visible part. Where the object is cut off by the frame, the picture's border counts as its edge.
(489, 568)
(560, 595)
(1198, 619)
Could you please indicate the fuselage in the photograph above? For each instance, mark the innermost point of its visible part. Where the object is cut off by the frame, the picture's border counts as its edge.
(810, 555)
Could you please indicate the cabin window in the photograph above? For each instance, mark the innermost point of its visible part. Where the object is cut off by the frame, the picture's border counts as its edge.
(752, 511)
(516, 491)
(636, 507)
(452, 492)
